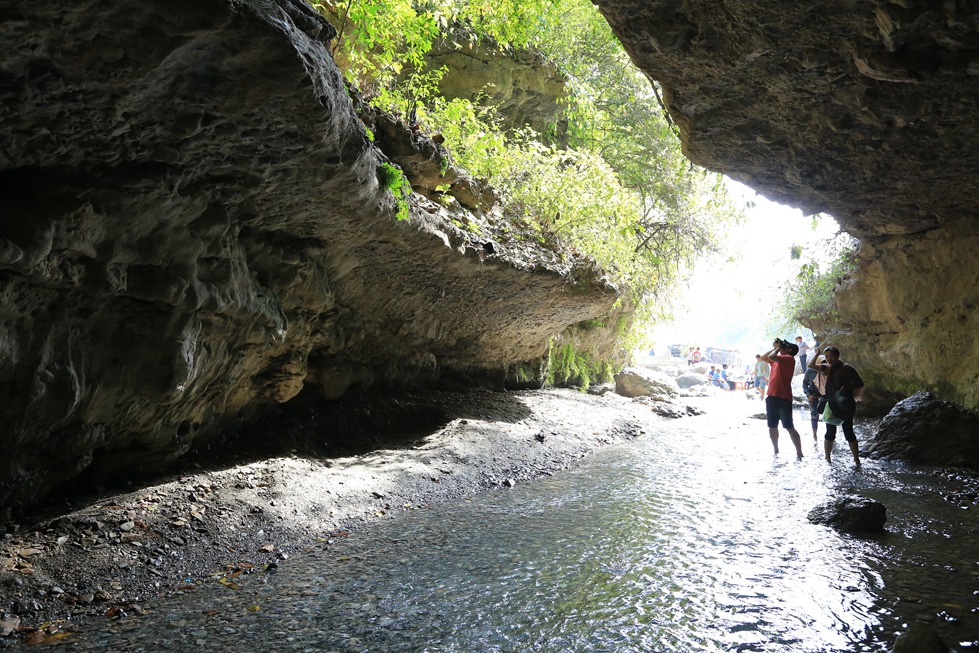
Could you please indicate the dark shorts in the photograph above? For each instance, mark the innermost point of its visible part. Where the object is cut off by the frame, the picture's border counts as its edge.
(848, 431)
(831, 429)
(778, 409)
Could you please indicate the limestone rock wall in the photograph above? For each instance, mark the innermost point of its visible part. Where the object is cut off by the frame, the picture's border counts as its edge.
(192, 227)
(527, 89)
(909, 316)
(867, 110)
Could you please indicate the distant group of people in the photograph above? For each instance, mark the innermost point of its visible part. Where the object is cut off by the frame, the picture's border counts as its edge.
(828, 382)
(694, 356)
(719, 377)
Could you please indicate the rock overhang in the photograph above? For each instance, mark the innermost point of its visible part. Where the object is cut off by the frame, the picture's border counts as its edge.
(866, 111)
(863, 110)
(192, 227)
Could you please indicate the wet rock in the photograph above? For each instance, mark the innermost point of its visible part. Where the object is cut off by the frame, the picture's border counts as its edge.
(8, 624)
(851, 514)
(639, 382)
(919, 638)
(925, 429)
(664, 407)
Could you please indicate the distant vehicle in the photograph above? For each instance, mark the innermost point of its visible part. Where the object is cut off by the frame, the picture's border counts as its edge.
(730, 356)
(676, 351)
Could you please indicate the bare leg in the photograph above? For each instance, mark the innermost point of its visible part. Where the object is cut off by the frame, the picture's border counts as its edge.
(797, 441)
(828, 448)
(773, 434)
(855, 450)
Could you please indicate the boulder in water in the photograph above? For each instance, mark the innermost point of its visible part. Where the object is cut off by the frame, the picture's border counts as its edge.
(851, 514)
(919, 638)
(925, 429)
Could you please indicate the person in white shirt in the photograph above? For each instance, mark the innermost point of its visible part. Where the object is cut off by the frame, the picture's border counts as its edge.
(762, 372)
(803, 350)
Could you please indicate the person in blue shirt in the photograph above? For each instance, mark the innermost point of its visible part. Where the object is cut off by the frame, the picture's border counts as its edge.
(811, 390)
(715, 376)
(727, 383)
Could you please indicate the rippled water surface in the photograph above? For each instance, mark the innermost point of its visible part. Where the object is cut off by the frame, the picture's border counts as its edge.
(691, 539)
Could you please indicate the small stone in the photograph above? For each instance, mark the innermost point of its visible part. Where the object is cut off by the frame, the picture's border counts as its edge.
(8, 624)
(127, 526)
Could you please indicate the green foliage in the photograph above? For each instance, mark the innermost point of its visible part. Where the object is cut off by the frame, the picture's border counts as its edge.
(393, 179)
(615, 187)
(811, 295)
(525, 373)
(568, 366)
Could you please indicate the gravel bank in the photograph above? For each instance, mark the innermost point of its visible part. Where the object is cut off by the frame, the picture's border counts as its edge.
(115, 553)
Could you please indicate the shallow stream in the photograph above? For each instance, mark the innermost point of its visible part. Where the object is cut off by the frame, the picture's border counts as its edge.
(693, 538)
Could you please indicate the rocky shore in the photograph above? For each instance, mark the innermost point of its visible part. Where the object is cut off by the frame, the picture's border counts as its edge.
(242, 511)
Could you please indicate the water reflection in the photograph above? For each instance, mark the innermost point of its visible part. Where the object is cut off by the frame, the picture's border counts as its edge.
(693, 539)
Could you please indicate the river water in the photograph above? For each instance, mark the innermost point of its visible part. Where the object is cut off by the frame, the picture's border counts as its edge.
(693, 538)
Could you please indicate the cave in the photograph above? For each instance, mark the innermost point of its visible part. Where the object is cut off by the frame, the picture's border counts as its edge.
(178, 257)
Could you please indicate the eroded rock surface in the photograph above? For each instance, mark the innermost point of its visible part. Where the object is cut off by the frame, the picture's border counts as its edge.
(925, 429)
(640, 382)
(864, 110)
(192, 227)
(527, 89)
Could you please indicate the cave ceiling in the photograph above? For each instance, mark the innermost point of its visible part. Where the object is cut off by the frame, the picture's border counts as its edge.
(863, 110)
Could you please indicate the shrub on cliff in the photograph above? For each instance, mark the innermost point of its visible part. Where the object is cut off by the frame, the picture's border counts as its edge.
(613, 185)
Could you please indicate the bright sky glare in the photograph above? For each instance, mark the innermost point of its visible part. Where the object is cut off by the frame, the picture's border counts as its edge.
(728, 301)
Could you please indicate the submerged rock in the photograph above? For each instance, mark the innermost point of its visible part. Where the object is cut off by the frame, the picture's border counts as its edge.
(925, 429)
(919, 638)
(851, 514)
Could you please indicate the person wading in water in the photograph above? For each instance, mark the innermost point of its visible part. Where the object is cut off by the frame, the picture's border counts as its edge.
(841, 385)
(778, 403)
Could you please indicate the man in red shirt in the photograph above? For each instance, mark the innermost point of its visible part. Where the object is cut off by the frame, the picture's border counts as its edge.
(778, 403)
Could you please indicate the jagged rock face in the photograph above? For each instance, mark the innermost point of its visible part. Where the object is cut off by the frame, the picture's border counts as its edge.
(865, 110)
(192, 227)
